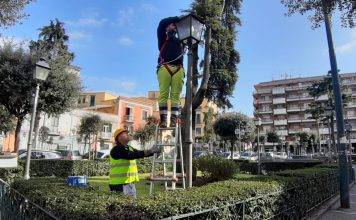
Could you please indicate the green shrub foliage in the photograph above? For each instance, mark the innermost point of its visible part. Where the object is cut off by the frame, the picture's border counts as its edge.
(216, 168)
(264, 196)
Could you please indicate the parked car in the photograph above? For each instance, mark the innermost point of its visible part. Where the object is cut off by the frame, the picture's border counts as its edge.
(38, 154)
(280, 155)
(70, 154)
(248, 155)
(198, 154)
(103, 154)
(227, 155)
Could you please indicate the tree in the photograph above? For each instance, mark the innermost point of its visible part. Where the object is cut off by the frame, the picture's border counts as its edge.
(16, 83)
(272, 137)
(226, 124)
(60, 92)
(6, 120)
(318, 107)
(147, 132)
(11, 11)
(90, 126)
(304, 138)
(346, 8)
(208, 126)
(44, 134)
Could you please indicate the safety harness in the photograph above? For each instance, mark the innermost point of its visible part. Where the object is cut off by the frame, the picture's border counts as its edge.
(165, 64)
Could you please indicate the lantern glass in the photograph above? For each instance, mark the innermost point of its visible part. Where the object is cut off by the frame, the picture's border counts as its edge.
(189, 27)
(183, 28)
(41, 71)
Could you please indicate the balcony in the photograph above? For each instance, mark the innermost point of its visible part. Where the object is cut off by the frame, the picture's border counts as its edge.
(306, 129)
(292, 88)
(324, 131)
(262, 91)
(295, 109)
(282, 132)
(128, 118)
(280, 122)
(351, 105)
(280, 90)
(264, 112)
(322, 98)
(351, 116)
(280, 111)
(279, 100)
(306, 98)
(292, 98)
(267, 122)
(106, 135)
(294, 120)
(349, 82)
(294, 131)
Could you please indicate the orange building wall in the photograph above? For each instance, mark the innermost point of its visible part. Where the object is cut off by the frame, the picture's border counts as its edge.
(9, 143)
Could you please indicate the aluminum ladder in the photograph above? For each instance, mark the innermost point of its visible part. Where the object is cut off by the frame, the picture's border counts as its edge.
(176, 148)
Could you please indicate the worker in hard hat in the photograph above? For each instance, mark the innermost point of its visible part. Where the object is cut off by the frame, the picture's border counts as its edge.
(123, 167)
(170, 72)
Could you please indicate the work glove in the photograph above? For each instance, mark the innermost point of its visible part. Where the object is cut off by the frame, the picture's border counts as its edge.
(153, 150)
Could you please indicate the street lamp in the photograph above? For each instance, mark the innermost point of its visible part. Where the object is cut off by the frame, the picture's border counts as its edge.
(258, 123)
(41, 72)
(190, 31)
(239, 131)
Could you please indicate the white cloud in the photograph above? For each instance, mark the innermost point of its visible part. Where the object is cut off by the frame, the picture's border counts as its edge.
(80, 36)
(148, 7)
(125, 41)
(88, 22)
(348, 46)
(128, 86)
(125, 16)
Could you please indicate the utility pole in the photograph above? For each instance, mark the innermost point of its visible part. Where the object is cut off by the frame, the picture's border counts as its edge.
(341, 139)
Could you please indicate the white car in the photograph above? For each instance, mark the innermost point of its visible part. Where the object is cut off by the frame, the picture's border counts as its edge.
(280, 155)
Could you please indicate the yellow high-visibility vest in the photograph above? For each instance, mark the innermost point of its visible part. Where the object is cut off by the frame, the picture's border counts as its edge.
(123, 171)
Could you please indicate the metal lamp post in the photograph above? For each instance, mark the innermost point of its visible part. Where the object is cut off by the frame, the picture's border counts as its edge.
(239, 132)
(341, 142)
(190, 31)
(258, 123)
(40, 74)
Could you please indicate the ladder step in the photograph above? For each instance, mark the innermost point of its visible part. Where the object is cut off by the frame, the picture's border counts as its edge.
(170, 144)
(162, 179)
(167, 129)
(167, 161)
(178, 175)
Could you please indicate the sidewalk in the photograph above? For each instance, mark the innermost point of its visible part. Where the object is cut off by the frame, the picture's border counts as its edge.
(337, 213)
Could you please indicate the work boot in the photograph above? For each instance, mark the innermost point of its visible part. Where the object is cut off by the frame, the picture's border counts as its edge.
(163, 121)
(173, 121)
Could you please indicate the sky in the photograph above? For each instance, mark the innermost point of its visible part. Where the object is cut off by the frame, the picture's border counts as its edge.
(115, 43)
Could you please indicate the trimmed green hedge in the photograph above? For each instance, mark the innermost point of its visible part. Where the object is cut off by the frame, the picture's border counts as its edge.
(274, 166)
(216, 168)
(65, 168)
(264, 196)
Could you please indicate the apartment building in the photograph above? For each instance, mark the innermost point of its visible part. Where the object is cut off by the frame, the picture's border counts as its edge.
(132, 112)
(282, 105)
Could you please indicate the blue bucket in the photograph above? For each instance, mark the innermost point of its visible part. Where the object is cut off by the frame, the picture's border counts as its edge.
(81, 181)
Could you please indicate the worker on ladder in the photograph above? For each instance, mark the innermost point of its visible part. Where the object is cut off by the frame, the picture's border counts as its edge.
(123, 168)
(170, 72)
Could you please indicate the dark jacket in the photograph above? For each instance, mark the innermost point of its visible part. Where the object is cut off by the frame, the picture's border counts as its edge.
(123, 152)
(173, 48)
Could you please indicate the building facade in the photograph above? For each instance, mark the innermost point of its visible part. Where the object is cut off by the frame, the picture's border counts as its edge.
(283, 107)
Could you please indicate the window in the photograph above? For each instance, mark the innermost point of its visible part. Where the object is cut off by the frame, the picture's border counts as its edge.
(55, 121)
(83, 99)
(92, 100)
(128, 111)
(107, 128)
(198, 131)
(144, 115)
(130, 129)
(198, 118)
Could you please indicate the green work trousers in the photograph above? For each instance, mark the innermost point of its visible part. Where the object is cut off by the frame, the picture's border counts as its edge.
(170, 85)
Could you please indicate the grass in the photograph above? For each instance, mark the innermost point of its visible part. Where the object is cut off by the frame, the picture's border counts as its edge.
(142, 187)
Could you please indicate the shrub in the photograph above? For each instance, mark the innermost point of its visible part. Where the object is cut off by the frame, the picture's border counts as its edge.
(11, 174)
(216, 168)
(265, 197)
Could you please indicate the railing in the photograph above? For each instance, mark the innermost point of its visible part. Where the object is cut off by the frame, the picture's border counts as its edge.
(254, 208)
(128, 118)
(14, 205)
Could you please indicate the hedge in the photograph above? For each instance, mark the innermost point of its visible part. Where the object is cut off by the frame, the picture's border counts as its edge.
(274, 166)
(264, 196)
(64, 168)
